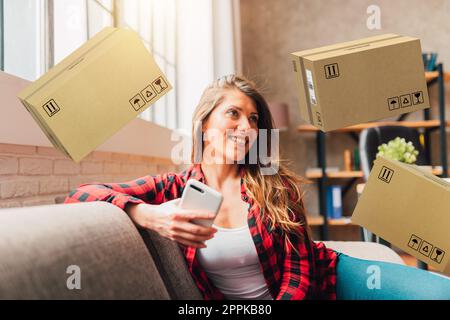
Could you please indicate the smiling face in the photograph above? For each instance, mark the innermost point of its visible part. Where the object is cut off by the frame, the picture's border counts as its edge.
(231, 128)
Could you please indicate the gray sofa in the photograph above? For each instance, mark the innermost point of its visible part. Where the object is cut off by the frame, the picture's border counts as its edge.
(40, 246)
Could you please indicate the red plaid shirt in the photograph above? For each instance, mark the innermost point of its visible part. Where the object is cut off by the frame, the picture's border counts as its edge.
(289, 276)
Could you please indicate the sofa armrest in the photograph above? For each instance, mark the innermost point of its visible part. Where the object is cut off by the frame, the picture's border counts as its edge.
(38, 244)
(365, 250)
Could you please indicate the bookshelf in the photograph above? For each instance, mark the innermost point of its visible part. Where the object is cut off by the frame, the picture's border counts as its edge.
(428, 125)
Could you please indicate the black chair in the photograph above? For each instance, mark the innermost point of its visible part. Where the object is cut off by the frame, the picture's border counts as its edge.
(369, 140)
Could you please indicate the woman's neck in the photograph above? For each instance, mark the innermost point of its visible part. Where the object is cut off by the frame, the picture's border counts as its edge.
(217, 175)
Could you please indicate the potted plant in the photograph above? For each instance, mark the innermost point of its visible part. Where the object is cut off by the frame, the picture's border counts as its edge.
(399, 149)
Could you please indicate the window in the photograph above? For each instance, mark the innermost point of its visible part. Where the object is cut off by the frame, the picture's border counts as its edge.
(24, 23)
(191, 41)
(155, 21)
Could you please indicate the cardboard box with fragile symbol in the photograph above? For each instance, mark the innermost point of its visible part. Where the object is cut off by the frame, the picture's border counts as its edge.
(359, 81)
(95, 91)
(410, 208)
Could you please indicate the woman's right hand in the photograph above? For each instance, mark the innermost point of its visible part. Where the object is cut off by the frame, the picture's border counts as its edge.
(172, 222)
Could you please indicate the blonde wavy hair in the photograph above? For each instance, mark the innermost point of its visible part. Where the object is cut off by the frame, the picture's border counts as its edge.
(278, 195)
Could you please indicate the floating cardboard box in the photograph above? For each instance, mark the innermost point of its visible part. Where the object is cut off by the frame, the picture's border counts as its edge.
(95, 91)
(410, 208)
(360, 81)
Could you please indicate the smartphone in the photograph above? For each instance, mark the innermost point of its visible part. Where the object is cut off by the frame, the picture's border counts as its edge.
(198, 196)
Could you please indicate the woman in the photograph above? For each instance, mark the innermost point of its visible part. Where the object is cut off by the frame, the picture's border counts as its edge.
(259, 246)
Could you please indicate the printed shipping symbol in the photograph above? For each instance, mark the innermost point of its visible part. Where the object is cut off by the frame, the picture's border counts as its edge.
(418, 97)
(319, 119)
(331, 71)
(414, 242)
(148, 93)
(137, 102)
(393, 103)
(159, 85)
(426, 248)
(386, 174)
(405, 100)
(437, 255)
(51, 107)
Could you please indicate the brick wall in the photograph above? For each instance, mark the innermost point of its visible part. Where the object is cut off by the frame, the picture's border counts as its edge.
(31, 175)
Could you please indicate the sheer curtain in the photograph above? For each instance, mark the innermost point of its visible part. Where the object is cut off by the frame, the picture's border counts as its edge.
(207, 37)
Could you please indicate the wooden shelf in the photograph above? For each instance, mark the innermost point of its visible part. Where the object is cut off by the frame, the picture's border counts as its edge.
(353, 174)
(438, 172)
(336, 175)
(318, 221)
(359, 127)
(431, 75)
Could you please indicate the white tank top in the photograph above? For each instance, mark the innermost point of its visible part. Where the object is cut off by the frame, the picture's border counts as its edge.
(231, 262)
